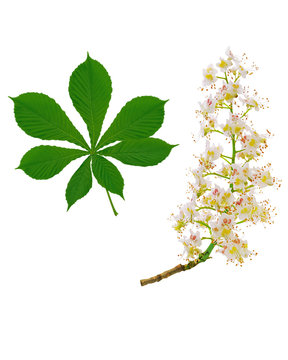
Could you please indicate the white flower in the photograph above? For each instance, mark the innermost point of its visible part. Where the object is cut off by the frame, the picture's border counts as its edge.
(208, 106)
(263, 178)
(212, 198)
(240, 176)
(234, 125)
(209, 75)
(222, 228)
(225, 170)
(235, 87)
(232, 90)
(191, 244)
(251, 144)
(226, 220)
(226, 198)
(188, 210)
(195, 238)
(179, 221)
(253, 102)
(235, 249)
(198, 175)
(266, 179)
(248, 208)
(220, 95)
(230, 55)
(238, 67)
(212, 152)
(219, 198)
(224, 64)
(208, 125)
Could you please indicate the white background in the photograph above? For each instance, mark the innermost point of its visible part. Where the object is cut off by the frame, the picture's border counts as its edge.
(69, 282)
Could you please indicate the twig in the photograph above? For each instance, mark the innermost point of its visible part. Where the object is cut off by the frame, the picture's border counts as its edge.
(202, 258)
(163, 275)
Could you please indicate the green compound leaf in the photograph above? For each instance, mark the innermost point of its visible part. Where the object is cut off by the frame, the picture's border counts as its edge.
(43, 162)
(41, 117)
(107, 175)
(139, 118)
(80, 183)
(90, 91)
(142, 152)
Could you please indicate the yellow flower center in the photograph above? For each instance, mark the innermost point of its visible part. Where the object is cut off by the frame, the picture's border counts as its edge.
(238, 181)
(229, 96)
(233, 250)
(252, 142)
(237, 129)
(244, 210)
(223, 64)
(209, 77)
(225, 232)
(226, 127)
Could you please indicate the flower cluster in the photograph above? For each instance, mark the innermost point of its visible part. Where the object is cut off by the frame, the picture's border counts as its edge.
(215, 210)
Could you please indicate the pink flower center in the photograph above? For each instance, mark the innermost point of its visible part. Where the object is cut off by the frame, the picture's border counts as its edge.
(239, 202)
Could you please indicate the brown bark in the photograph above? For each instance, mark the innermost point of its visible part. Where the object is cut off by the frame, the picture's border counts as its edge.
(170, 272)
(163, 275)
(202, 258)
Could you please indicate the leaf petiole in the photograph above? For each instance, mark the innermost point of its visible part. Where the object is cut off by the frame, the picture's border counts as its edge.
(111, 203)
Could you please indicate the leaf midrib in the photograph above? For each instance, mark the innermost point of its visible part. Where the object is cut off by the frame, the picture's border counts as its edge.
(91, 111)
